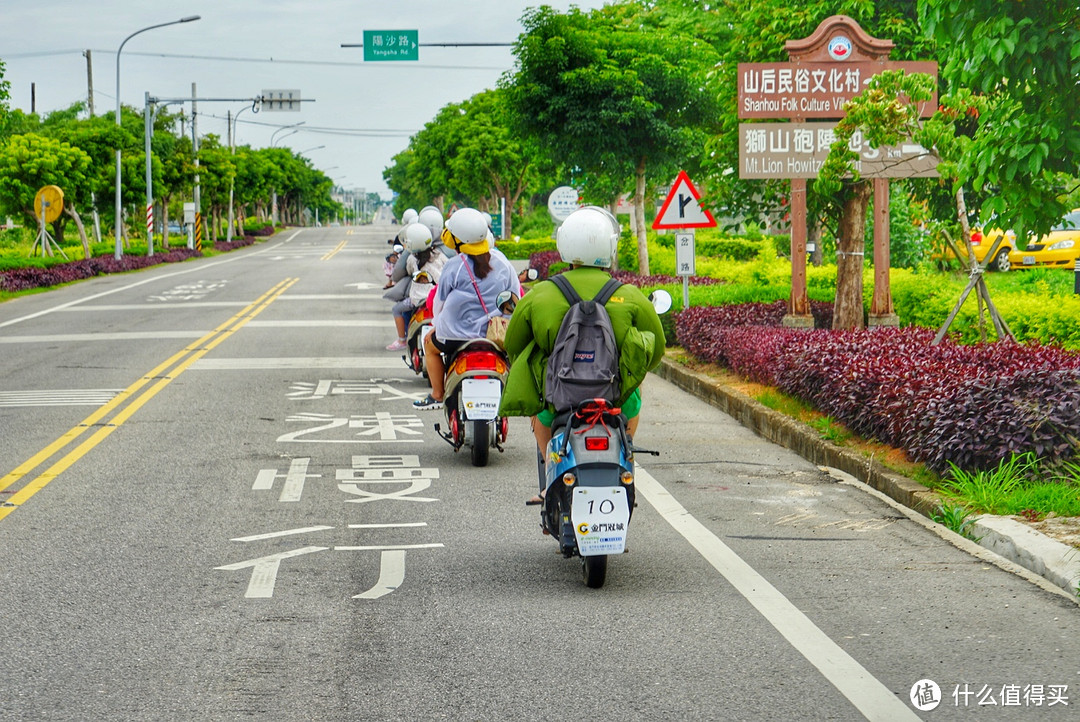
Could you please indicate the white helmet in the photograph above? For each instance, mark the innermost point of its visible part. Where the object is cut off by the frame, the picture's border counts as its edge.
(589, 237)
(417, 237)
(467, 225)
(487, 218)
(409, 216)
(428, 208)
(432, 218)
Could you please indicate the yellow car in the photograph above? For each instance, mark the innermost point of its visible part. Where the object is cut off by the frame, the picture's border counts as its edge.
(981, 243)
(1057, 249)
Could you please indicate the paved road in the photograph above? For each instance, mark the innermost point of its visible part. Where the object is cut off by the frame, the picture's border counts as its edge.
(218, 503)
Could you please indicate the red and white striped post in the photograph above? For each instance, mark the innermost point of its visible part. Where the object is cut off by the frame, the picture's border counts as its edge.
(149, 229)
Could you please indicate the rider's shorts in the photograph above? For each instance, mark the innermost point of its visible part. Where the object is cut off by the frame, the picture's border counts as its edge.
(630, 409)
(447, 347)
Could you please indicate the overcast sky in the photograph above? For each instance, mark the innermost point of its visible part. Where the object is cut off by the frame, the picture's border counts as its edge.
(363, 113)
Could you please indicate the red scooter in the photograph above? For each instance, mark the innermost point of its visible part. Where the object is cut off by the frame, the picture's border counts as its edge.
(475, 377)
(419, 327)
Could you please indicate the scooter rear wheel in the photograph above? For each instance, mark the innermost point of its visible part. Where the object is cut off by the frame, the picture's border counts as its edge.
(481, 442)
(594, 570)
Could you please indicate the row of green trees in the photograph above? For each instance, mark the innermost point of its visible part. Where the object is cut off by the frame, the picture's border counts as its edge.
(74, 151)
(618, 99)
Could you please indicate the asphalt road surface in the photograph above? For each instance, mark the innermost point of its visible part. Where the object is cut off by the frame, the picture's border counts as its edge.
(218, 503)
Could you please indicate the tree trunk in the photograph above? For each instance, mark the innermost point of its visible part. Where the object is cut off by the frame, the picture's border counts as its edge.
(813, 235)
(848, 311)
(639, 209)
(70, 209)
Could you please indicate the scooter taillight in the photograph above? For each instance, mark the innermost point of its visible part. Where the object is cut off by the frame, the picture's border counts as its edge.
(596, 443)
(477, 360)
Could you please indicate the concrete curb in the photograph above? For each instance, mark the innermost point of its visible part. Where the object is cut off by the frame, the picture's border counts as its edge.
(1056, 562)
(1050, 559)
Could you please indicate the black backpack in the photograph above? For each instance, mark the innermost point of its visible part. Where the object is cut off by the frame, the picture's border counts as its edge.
(584, 363)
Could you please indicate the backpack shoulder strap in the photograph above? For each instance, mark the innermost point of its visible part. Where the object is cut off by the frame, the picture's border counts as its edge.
(567, 289)
(607, 291)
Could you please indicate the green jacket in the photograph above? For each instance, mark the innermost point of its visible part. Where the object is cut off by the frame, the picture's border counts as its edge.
(530, 337)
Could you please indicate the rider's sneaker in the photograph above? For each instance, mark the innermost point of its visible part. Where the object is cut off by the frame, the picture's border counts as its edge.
(428, 402)
(397, 345)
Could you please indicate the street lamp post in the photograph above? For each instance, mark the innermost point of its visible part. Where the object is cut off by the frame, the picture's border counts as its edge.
(232, 151)
(285, 127)
(119, 209)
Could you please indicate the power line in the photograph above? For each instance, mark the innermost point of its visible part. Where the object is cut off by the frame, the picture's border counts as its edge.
(327, 130)
(269, 61)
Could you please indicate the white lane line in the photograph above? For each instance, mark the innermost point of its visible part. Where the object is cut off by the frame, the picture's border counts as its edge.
(126, 336)
(198, 268)
(331, 297)
(388, 526)
(330, 323)
(156, 306)
(268, 364)
(873, 699)
(388, 547)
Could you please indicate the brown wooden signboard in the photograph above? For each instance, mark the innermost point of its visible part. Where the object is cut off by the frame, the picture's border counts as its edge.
(798, 150)
(802, 90)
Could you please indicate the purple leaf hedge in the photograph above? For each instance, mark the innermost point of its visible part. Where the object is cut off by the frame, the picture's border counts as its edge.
(969, 405)
(30, 277)
(24, 279)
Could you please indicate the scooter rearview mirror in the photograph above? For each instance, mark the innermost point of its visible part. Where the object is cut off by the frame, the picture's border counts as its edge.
(506, 301)
(661, 300)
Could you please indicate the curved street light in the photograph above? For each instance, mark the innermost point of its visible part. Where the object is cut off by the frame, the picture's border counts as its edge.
(301, 152)
(233, 119)
(119, 207)
(285, 127)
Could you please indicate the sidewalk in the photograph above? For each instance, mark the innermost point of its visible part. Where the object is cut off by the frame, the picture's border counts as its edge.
(1008, 543)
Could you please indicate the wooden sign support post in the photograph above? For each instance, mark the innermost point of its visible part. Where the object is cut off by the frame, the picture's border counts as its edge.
(824, 71)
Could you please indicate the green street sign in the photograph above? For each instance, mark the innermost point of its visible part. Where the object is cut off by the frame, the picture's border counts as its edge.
(391, 45)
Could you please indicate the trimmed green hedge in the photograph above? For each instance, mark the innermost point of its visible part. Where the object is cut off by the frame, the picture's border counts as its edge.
(923, 299)
(521, 250)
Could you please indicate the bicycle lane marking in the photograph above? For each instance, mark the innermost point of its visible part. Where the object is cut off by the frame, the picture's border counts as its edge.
(165, 374)
(872, 698)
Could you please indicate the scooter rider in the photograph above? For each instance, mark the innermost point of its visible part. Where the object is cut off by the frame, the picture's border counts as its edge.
(432, 217)
(588, 241)
(424, 264)
(474, 274)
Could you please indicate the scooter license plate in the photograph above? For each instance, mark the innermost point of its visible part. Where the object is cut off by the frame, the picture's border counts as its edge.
(601, 517)
(480, 397)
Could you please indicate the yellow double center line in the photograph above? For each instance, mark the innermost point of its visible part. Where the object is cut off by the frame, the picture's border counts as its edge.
(331, 254)
(162, 376)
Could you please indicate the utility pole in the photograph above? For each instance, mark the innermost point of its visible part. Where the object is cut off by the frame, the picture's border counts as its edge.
(90, 108)
(195, 147)
(89, 82)
(148, 132)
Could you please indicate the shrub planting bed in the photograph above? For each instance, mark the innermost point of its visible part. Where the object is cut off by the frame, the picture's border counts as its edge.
(968, 405)
(41, 276)
(29, 278)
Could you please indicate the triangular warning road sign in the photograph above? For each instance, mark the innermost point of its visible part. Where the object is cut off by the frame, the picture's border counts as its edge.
(682, 209)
